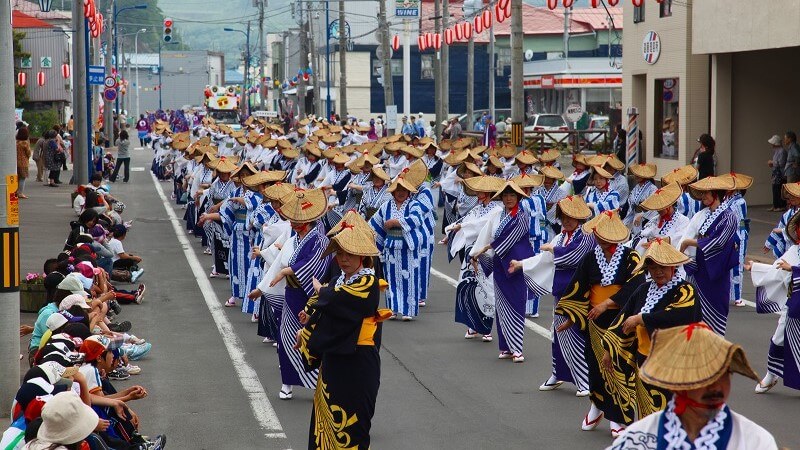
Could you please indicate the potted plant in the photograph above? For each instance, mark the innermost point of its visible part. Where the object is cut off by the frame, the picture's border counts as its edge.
(32, 294)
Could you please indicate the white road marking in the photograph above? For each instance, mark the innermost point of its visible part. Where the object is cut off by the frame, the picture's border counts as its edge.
(137, 169)
(259, 403)
(529, 324)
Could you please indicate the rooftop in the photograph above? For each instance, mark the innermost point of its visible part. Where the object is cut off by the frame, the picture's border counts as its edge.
(32, 9)
(22, 20)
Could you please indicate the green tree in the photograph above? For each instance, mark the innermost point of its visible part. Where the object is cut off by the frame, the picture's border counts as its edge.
(20, 93)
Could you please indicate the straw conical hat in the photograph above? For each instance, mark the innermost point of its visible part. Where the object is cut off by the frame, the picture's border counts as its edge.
(526, 157)
(608, 227)
(661, 252)
(741, 181)
(416, 173)
(284, 143)
(603, 172)
(402, 182)
(445, 144)
(455, 158)
(304, 206)
(208, 159)
(424, 141)
(332, 139)
(369, 158)
(573, 206)
(394, 138)
(181, 141)
(267, 142)
(468, 167)
(580, 159)
(506, 151)
(351, 217)
(302, 131)
(304, 122)
(411, 150)
(549, 155)
(606, 160)
(340, 158)
(263, 177)
(512, 186)
(697, 188)
(278, 191)
(790, 190)
(380, 173)
(682, 175)
(528, 180)
(394, 146)
(691, 357)
(644, 170)
(335, 129)
(791, 228)
(354, 239)
(495, 161)
(479, 149)
(462, 143)
(330, 152)
(484, 183)
(313, 149)
(289, 153)
(662, 198)
(237, 134)
(225, 165)
(551, 172)
(244, 170)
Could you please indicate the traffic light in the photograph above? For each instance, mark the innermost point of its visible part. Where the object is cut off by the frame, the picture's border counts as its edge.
(167, 35)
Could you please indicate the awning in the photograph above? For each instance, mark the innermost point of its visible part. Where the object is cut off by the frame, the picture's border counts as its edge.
(293, 91)
(571, 73)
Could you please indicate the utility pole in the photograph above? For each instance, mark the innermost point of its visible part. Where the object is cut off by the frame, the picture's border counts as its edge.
(445, 61)
(517, 92)
(471, 79)
(9, 222)
(301, 82)
(82, 95)
(386, 61)
(261, 88)
(342, 63)
(492, 73)
(108, 117)
(317, 105)
(437, 70)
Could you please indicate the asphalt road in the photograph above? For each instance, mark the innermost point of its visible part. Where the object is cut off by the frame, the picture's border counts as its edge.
(213, 384)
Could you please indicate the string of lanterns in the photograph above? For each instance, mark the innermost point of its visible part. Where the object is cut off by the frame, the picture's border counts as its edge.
(553, 4)
(304, 74)
(465, 28)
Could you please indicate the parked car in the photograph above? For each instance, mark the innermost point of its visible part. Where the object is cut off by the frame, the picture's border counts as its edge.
(548, 122)
(596, 138)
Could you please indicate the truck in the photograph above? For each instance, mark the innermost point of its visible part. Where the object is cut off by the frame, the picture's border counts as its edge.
(222, 105)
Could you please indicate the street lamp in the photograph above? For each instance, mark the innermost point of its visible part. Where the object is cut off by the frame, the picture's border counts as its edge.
(44, 5)
(116, 57)
(245, 95)
(136, 52)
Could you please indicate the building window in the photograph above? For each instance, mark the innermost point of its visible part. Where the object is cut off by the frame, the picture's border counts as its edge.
(667, 118)
(426, 67)
(397, 67)
(665, 8)
(638, 14)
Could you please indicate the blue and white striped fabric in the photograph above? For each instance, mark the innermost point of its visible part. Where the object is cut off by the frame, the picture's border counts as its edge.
(234, 222)
(639, 193)
(738, 205)
(619, 184)
(602, 200)
(688, 206)
(779, 242)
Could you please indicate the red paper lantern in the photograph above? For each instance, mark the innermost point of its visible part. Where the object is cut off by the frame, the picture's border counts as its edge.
(458, 31)
(428, 39)
(467, 30)
(478, 24)
(503, 3)
(568, 3)
(22, 78)
(637, 2)
(486, 18)
(508, 10)
(421, 42)
(395, 42)
(40, 78)
(437, 41)
(448, 36)
(65, 71)
(499, 13)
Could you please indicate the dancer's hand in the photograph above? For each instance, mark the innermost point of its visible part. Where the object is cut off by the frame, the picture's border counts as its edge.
(564, 326)
(606, 362)
(785, 265)
(598, 310)
(630, 324)
(514, 266)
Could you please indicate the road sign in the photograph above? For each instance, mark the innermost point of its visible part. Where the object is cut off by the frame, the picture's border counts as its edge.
(574, 113)
(46, 62)
(651, 47)
(96, 75)
(110, 82)
(391, 117)
(110, 94)
(26, 62)
(265, 113)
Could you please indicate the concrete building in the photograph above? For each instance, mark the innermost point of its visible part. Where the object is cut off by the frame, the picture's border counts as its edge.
(723, 67)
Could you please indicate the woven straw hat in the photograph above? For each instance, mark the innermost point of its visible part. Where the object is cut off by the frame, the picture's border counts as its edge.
(790, 190)
(423, 141)
(313, 149)
(468, 166)
(484, 183)
(661, 252)
(741, 181)
(479, 149)
(237, 134)
(302, 131)
(304, 206)
(380, 173)
(445, 144)
(644, 170)
(495, 161)
(510, 184)
(244, 170)
(697, 188)
(456, 157)
(208, 159)
(284, 143)
(394, 146)
(340, 158)
(549, 155)
(606, 160)
(353, 239)
(394, 138)
(263, 177)
(267, 142)
(528, 180)
(551, 172)
(682, 175)
(580, 159)
(304, 122)
(607, 226)
(462, 143)
(526, 157)
(332, 139)
(352, 218)
(252, 136)
(411, 150)
(278, 191)
(181, 141)
(416, 173)
(370, 158)
(573, 206)
(603, 172)
(225, 165)
(506, 151)
(791, 228)
(289, 153)
(402, 182)
(691, 357)
(662, 198)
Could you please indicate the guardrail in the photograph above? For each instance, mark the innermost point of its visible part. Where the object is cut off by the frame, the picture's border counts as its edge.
(597, 139)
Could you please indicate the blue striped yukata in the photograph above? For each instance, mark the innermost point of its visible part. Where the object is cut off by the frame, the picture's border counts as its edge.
(218, 240)
(601, 201)
(372, 199)
(688, 206)
(536, 208)
(779, 242)
(234, 222)
(639, 193)
(425, 213)
(739, 207)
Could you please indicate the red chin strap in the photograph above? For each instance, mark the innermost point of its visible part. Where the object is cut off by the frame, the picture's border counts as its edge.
(682, 402)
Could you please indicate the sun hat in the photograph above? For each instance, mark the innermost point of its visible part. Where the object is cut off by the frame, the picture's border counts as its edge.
(775, 140)
(181, 141)
(411, 150)
(401, 181)
(791, 228)
(444, 144)
(72, 300)
(66, 419)
(608, 227)
(267, 142)
(551, 172)
(284, 144)
(416, 173)
(351, 217)
(573, 206)
(207, 159)
(644, 170)
(697, 188)
(528, 180)
(662, 198)
(340, 158)
(332, 139)
(790, 190)
(354, 238)
(289, 153)
(313, 149)
(602, 172)
(513, 187)
(462, 143)
(526, 157)
(549, 155)
(606, 160)
(56, 321)
(741, 181)
(456, 157)
(661, 252)
(682, 175)
(278, 191)
(394, 146)
(369, 158)
(495, 161)
(506, 151)
(580, 159)
(304, 206)
(72, 284)
(263, 177)
(484, 183)
(55, 371)
(378, 172)
(94, 346)
(691, 357)
(246, 169)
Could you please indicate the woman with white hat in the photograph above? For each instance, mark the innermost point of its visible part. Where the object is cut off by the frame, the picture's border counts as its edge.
(601, 286)
(668, 300)
(66, 423)
(553, 270)
(668, 223)
(305, 262)
(777, 164)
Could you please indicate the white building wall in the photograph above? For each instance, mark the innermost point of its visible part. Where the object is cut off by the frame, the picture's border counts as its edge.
(724, 26)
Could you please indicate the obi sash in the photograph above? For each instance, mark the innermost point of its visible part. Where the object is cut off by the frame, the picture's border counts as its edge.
(370, 325)
(598, 294)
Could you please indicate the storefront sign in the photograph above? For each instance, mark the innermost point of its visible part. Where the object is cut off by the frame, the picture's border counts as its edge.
(406, 8)
(548, 82)
(651, 47)
(573, 113)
